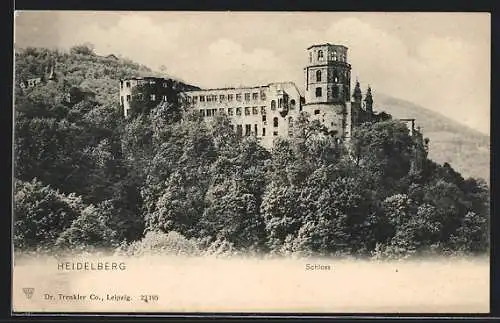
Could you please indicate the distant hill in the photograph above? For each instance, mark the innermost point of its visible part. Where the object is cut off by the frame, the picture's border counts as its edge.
(465, 149)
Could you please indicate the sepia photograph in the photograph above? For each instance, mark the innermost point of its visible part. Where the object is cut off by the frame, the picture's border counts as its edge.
(251, 162)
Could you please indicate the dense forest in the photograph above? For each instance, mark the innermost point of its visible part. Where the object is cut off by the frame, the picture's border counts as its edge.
(166, 181)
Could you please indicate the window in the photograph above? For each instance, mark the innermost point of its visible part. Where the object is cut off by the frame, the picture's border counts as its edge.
(275, 122)
(165, 98)
(209, 113)
(230, 97)
(202, 98)
(202, 112)
(238, 97)
(247, 111)
(292, 104)
(264, 118)
(209, 98)
(238, 111)
(222, 97)
(255, 110)
(221, 111)
(263, 110)
(128, 97)
(316, 112)
(195, 98)
(121, 99)
(318, 76)
(239, 130)
(275, 133)
(255, 96)
(320, 54)
(214, 98)
(232, 127)
(230, 111)
(152, 97)
(335, 76)
(121, 84)
(165, 84)
(263, 132)
(262, 95)
(335, 55)
(152, 82)
(318, 92)
(310, 57)
(127, 84)
(273, 105)
(248, 129)
(255, 129)
(247, 96)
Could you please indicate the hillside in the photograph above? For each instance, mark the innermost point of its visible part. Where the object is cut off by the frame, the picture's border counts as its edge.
(81, 68)
(465, 149)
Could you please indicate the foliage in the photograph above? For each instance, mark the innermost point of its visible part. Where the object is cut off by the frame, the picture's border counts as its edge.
(159, 243)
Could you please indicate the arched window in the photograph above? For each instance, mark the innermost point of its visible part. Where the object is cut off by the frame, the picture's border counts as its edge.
(335, 55)
(320, 54)
(335, 76)
(275, 122)
(292, 104)
(273, 105)
(318, 76)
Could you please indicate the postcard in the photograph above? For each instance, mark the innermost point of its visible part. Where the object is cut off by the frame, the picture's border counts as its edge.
(251, 162)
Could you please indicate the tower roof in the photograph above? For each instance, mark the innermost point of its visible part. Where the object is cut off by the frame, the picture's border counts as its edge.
(368, 96)
(326, 44)
(357, 91)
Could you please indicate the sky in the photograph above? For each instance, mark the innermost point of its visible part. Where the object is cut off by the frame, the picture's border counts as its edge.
(440, 61)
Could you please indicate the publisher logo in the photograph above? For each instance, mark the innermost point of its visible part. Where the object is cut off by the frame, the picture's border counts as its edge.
(28, 292)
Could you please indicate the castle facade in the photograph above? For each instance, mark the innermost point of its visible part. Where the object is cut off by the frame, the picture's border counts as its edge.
(269, 111)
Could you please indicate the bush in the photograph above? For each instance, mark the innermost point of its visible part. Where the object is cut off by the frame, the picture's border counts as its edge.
(42, 213)
(159, 243)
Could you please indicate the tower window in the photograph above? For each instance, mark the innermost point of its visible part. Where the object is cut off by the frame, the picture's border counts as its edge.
(262, 96)
(255, 110)
(318, 76)
(230, 97)
(316, 112)
(263, 132)
(275, 122)
(275, 133)
(247, 96)
(128, 97)
(153, 97)
(320, 54)
(255, 129)
(310, 57)
(292, 104)
(319, 92)
(263, 110)
(127, 84)
(248, 129)
(273, 105)
(121, 84)
(264, 118)
(238, 111)
(238, 97)
(121, 99)
(255, 96)
(335, 76)
(230, 111)
(221, 97)
(247, 111)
